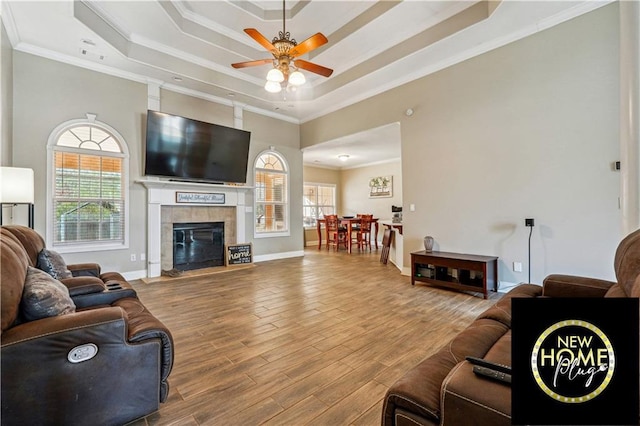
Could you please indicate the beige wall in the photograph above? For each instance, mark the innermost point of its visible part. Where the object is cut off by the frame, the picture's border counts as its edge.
(322, 175)
(6, 94)
(6, 121)
(355, 191)
(195, 108)
(48, 93)
(527, 130)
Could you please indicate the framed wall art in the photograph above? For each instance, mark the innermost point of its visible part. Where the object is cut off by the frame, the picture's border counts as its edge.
(381, 186)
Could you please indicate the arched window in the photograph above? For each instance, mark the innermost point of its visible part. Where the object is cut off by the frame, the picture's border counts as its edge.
(87, 190)
(272, 195)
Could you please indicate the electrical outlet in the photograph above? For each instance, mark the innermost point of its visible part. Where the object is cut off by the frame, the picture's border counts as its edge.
(143, 256)
(528, 222)
(517, 266)
(133, 257)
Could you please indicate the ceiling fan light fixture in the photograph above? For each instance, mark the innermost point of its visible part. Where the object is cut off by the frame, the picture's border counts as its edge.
(297, 78)
(285, 50)
(275, 75)
(272, 87)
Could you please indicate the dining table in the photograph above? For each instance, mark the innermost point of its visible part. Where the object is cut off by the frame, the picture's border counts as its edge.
(348, 221)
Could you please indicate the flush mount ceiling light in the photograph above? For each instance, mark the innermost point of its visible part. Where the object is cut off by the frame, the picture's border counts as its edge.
(285, 72)
(343, 157)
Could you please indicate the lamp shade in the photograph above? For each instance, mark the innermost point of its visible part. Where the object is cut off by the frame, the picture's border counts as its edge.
(272, 87)
(275, 75)
(16, 185)
(297, 78)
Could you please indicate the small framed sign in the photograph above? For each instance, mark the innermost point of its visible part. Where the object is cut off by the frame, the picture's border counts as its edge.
(238, 254)
(199, 198)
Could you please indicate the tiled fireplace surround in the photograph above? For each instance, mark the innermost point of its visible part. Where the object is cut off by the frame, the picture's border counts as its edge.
(180, 214)
(163, 211)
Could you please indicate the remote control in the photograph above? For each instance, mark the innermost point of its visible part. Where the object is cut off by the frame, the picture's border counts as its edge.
(488, 364)
(492, 374)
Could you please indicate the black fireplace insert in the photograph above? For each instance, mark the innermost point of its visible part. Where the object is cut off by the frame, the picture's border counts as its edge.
(198, 245)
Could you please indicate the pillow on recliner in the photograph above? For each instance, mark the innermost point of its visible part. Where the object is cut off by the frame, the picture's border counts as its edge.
(44, 296)
(53, 264)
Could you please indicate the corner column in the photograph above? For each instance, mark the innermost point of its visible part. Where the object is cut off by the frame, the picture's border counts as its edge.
(630, 115)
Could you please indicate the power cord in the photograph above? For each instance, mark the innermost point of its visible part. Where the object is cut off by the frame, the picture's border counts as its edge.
(529, 223)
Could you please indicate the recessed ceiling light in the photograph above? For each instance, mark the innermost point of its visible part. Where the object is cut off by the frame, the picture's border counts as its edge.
(231, 95)
(176, 78)
(343, 157)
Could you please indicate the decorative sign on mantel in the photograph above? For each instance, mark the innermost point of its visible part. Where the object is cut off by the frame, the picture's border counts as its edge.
(199, 198)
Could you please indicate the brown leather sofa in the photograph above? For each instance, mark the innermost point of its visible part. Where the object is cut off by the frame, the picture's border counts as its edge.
(41, 384)
(443, 389)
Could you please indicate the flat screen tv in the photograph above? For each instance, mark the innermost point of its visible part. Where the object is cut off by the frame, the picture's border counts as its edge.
(192, 150)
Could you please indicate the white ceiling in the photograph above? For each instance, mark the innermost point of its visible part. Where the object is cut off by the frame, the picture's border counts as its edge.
(373, 46)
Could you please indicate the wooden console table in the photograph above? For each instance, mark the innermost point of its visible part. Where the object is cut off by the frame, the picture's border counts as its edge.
(455, 270)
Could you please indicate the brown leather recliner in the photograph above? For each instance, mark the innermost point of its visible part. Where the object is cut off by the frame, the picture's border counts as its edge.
(443, 389)
(124, 380)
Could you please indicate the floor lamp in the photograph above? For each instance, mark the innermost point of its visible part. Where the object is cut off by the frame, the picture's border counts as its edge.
(16, 187)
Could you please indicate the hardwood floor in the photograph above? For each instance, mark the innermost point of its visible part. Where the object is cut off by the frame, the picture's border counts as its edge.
(314, 340)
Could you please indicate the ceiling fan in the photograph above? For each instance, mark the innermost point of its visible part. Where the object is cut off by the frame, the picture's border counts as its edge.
(284, 50)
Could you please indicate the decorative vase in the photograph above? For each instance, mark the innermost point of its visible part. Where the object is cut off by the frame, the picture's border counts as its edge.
(428, 243)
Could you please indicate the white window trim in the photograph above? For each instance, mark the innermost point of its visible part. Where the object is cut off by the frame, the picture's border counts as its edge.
(277, 234)
(51, 144)
(335, 193)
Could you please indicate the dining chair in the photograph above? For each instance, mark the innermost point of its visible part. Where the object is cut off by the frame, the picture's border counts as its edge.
(363, 231)
(386, 246)
(336, 233)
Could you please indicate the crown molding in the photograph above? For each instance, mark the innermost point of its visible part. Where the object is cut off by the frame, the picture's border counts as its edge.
(9, 24)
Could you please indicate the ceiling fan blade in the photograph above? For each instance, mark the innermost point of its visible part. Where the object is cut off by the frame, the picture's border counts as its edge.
(308, 45)
(315, 68)
(255, 34)
(252, 63)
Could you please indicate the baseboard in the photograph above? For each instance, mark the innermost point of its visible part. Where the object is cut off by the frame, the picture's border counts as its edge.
(276, 256)
(135, 275)
(506, 286)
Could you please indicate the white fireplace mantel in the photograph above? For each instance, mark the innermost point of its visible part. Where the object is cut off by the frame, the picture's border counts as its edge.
(164, 193)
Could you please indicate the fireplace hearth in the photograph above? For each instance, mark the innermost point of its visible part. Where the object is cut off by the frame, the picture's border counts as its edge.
(198, 245)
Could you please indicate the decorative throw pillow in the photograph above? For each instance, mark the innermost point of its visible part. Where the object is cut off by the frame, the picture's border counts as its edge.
(53, 264)
(44, 296)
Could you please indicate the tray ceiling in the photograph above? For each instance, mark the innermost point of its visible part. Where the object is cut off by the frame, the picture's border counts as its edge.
(188, 46)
